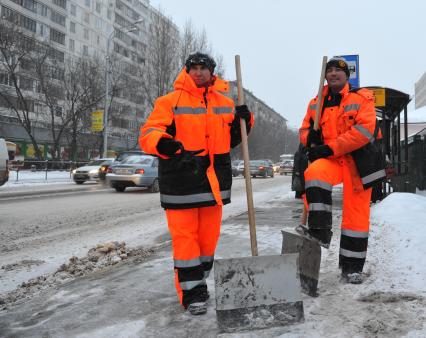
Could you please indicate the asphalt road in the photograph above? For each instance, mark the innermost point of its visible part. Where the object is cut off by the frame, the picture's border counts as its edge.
(50, 224)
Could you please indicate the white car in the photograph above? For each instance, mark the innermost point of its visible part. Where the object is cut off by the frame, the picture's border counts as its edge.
(89, 172)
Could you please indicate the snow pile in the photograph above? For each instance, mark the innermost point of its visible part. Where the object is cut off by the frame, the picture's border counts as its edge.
(400, 221)
(100, 257)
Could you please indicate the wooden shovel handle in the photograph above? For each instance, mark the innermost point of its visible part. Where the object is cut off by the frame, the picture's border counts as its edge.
(318, 110)
(244, 145)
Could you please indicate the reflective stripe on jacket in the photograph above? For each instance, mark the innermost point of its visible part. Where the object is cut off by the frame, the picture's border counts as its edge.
(344, 128)
(199, 118)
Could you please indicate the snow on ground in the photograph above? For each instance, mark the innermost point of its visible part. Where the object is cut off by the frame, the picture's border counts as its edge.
(27, 178)
(390, 303)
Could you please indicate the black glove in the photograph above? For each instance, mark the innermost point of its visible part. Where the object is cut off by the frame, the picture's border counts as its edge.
(317, 152)
(168, 146)
(242, 112)
(314, 138)
(186, 160)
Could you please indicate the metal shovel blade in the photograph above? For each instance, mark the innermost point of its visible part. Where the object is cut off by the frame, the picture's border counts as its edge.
(309, 260)
(257, 292)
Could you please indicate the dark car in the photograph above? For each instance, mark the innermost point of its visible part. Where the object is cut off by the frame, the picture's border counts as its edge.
(120, 157)
(262, 168)
(134, 171)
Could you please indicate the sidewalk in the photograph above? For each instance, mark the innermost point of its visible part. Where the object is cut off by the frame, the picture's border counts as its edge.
(138, 299)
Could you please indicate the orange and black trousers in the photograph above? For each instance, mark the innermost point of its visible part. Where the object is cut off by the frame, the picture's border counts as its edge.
(194, 233)
(320, 177)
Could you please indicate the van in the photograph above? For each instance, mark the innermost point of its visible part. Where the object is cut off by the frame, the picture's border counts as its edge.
(4, 162)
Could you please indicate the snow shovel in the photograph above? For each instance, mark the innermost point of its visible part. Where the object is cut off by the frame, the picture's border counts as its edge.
(309, 251)
(256, 292)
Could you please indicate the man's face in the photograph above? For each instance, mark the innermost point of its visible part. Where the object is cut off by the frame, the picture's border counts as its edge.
(336, 78)
(201, 75)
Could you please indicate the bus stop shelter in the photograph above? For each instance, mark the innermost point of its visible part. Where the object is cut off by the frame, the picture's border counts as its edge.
(390, 103)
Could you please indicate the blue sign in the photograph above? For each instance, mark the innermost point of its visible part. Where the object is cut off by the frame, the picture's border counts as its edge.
(353, 64)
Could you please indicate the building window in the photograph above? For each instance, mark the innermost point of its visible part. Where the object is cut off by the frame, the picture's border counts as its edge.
(86, 34)
(60, 3)
(98, 23)
(58, 18)
(42, 9)
(86, 17)
(57, 36)
(98, 40)
(87, 3)
(72, 45)
(72, 27)
(42, 29)
(85, 50)
(98, 6)
(109, 14)
(73, 10)
(58, 111)
(5, 79)
(28, 23)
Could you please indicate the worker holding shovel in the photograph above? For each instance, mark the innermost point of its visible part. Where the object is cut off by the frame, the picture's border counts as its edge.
(347, 126)
(192, 130)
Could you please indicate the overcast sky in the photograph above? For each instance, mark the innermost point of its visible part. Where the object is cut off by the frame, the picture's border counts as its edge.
(281, 43)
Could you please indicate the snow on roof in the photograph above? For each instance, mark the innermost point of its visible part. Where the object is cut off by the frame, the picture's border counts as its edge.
(413, 129)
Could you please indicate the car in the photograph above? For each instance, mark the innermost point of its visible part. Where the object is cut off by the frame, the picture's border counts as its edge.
(134, 171)
(89, 172)
(286, 167)
(277, 167)
(121, 156)
(4, 162)
(237, 167)
(104, 168)
(262, 168)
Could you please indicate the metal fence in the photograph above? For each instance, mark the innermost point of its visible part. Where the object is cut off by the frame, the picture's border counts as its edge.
(42, 169)
(417, 161)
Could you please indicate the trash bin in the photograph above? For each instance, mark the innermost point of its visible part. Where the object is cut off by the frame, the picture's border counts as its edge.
(33, 168)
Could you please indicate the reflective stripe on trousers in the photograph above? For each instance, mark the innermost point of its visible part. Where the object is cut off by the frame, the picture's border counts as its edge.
(320, 176)
(194, 233)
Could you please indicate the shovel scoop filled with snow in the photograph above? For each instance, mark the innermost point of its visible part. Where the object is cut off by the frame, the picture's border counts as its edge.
(257, 292)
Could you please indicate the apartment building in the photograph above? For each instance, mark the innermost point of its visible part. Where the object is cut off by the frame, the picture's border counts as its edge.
(420, 92)
(114, 31)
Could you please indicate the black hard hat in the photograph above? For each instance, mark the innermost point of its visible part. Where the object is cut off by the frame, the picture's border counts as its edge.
(339, 62)
(200, 59)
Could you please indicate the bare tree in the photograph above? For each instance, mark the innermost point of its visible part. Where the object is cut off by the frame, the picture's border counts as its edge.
(162, 57)
(15, 50)
(197, 41)
(83, 92)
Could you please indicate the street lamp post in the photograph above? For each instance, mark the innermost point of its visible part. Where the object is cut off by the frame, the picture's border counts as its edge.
(107, 72)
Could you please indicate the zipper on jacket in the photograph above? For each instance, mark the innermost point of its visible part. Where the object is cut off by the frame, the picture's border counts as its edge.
(205, 96)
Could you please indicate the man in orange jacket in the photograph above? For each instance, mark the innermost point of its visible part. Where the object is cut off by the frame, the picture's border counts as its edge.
(347, 123)
(192, 130)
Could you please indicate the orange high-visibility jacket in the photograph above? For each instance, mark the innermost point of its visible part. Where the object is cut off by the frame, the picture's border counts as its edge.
(345, 128)
(199, 118)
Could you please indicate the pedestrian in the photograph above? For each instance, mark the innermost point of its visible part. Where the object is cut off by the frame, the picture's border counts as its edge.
(192, 130)
(347, 125)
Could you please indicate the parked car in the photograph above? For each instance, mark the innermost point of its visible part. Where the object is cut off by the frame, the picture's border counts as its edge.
(134, 171)
(286, 167)
(89, 172)
(4, 162)
(237, 167)
(262, 168)
(120, 157)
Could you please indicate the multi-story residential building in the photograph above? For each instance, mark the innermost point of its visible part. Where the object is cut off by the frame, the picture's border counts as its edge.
(420, 92)
(114, 31)
(269, 137)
